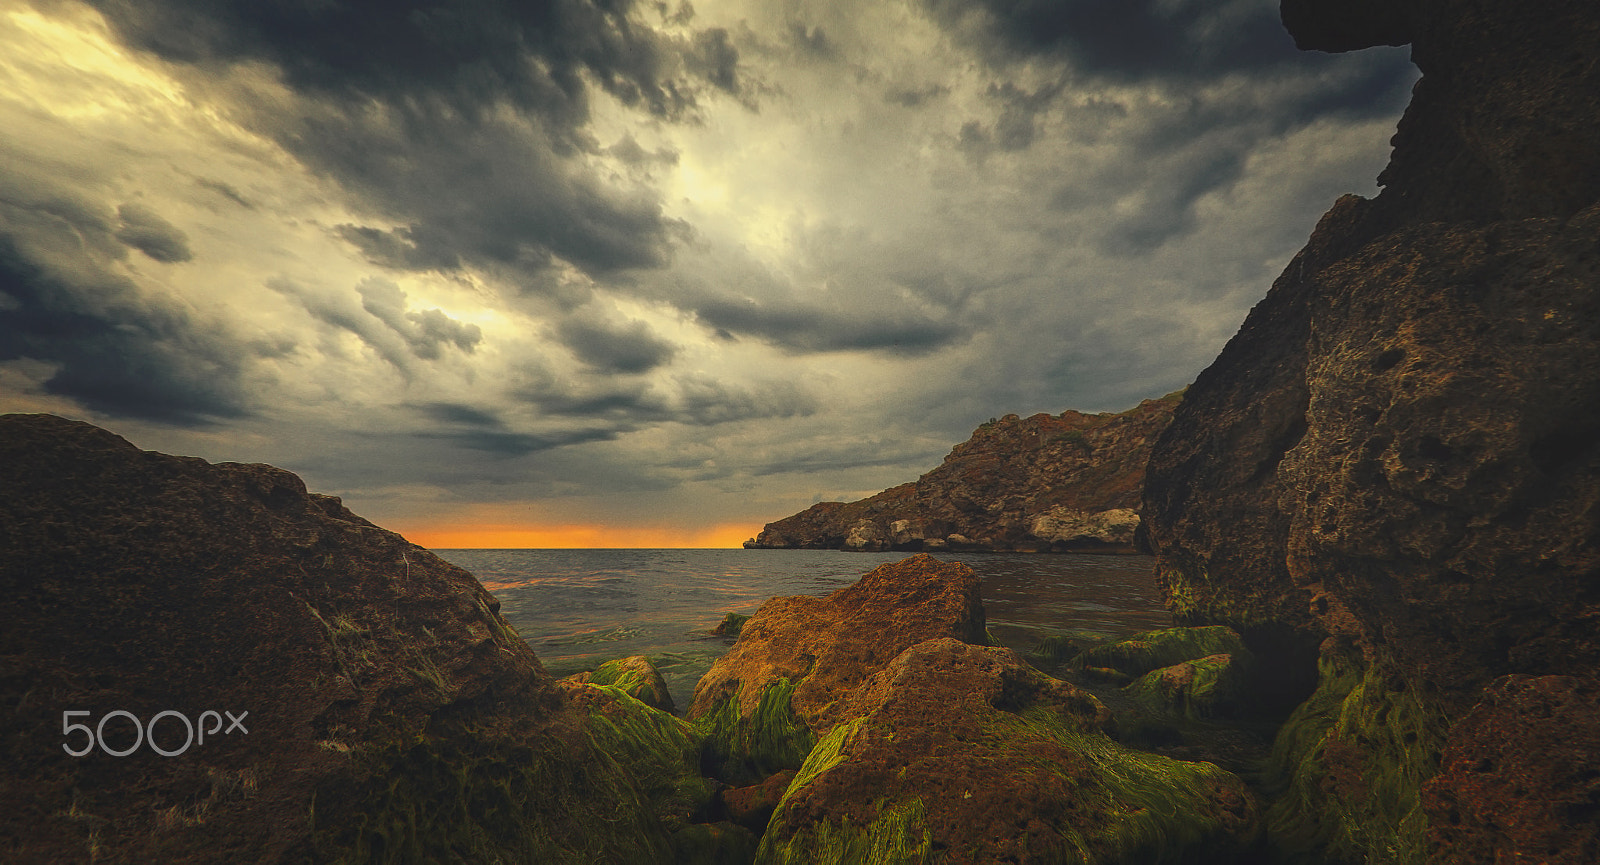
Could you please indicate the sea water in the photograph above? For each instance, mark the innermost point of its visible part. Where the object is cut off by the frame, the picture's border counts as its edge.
(579, 608)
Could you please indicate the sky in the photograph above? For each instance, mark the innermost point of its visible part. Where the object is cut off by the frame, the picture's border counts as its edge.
(626, 273)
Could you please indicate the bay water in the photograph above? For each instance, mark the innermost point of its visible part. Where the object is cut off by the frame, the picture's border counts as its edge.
(580, 608)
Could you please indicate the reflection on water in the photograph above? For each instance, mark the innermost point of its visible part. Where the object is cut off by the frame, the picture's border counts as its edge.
(578, 608)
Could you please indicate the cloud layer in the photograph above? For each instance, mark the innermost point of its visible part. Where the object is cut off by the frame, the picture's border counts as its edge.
(611, 261)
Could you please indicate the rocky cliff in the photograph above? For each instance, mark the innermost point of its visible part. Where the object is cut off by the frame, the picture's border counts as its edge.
(1393, 470)
(1047, 483)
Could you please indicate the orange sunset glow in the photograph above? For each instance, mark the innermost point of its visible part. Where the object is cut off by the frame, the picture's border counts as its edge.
(582, 536)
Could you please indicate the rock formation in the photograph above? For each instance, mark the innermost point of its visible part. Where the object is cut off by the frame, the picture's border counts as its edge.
(1395, 464)
(967, 751)
(766, 701)
(1048, 483)
(386, 712)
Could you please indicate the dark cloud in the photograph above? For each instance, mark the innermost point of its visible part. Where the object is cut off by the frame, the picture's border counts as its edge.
(618, 348)
(1130, 38)
(145, 230)
(383, 321)
(409, 248)
(693, 400)
(115, 351)
(406, 107)
(225, 191)
(427, 332)
(715, 59)
(797, 328)
(915, 97)
(813, 41)
(516, 444)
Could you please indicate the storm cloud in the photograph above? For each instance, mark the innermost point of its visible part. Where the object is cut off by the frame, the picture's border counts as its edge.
(612, 259)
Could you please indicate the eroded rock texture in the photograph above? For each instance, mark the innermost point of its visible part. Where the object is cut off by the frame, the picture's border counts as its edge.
(766, 701)
(1045, 483)
(1401, 446)
(388, 712)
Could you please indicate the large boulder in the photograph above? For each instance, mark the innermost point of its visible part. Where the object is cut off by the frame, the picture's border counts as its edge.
(967, 753)
(385, 711)
(767, 700)
(1400, 449)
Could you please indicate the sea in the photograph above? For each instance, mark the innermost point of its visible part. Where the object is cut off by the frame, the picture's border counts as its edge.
(580, 608)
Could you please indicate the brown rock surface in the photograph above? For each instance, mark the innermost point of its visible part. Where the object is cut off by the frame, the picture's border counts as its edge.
(820, 648)
(967, 753)
(1401, 446)
(1044, 483)
(1509, 790)
(364, 670)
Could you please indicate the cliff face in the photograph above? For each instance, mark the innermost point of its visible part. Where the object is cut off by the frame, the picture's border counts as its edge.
(1400, 449)
(1045, 483)
(386, 712)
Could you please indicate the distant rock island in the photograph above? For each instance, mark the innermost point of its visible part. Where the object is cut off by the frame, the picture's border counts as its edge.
(1047, 483)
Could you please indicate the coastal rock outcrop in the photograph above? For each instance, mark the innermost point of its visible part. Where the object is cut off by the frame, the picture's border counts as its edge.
(205, 663)
(1394, 466)
(967, 750)
(1047, 483)
(766, 701)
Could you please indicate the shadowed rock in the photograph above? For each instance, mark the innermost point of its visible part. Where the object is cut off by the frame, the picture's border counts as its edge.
(1400, 448)
(389, 713)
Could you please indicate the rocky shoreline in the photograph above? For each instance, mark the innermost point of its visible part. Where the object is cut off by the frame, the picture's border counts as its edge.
(1043, 484)
(389, 713)
(1376, 516)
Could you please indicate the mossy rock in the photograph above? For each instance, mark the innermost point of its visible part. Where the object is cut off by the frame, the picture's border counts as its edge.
(636, 676)
(1348, 765)
(743, 748)
(965, 753)
(762, 705)
(613, 781)
(1202, 689)
(1153, 650)
(730, 626)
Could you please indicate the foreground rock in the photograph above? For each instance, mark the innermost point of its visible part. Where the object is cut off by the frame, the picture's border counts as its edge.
(387, 712)
(1391, 473)
(1047, 483)
(964, 753)
(765, 702)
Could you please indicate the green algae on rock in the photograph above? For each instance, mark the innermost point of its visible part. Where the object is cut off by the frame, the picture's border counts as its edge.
(764, 704)
(1348, 766)
(1152, 650)
(1215, 686)
(966, 753)
(636, 675)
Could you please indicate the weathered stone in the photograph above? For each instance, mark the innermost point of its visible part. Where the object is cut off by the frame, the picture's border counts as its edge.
(387, 711)
(1518, 782)
(1216, 686)
(1401, 446)
(965, 751)
(1067, 482)
(752, 806)
(766, 700)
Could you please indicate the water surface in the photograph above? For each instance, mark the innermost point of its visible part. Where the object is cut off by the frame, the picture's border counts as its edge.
(579, 608)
